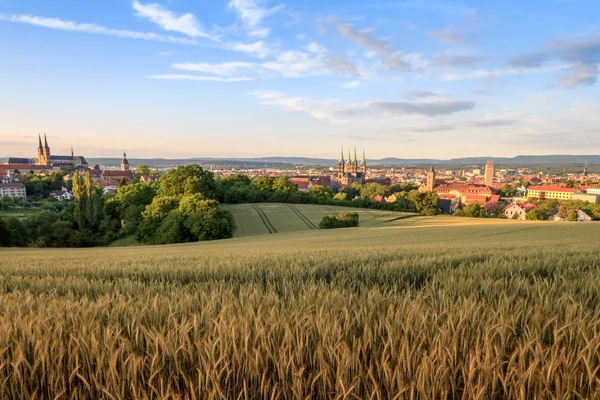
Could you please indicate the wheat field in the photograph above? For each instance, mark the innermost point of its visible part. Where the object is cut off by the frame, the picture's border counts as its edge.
(495, 310)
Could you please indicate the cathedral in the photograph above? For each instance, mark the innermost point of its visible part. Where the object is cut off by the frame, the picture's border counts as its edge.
(44, 157)
(349, 172)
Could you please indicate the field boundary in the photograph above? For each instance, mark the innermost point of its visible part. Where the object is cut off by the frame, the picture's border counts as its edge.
(264, 219)
(303, 217)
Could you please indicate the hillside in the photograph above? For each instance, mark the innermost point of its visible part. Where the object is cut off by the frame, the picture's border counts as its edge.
(269, 218)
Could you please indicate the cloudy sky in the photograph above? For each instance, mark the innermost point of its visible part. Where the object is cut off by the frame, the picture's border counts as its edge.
(415, 78)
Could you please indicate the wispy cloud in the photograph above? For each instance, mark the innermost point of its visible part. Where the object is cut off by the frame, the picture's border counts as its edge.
(288, 64)
(456, 60)
(394, 60)
(169, 21)
(450, 36)
(252, 13)
(56, 23)
(429, 109)
(200, 78)
(257, 49)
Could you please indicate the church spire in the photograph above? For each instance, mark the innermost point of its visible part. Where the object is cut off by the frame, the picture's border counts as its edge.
(364, 160)
(45, 141)
(342, 155)
(355, 158)
(72, 155)
(40, 141)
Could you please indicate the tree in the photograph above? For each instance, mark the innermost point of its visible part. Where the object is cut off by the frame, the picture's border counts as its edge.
(80, 193)
(322, 191)
(143, 170)
(210, 221)
(284, 185)
(508, 191)
(372, 189)
(5, 239)
(423, 202)
(191, 179)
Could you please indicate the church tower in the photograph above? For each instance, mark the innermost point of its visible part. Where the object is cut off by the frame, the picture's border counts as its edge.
(430, 179)
(363, 166)
(341, 165)
(40, 152)
(349, 163)
(47, 157)
(355, 164)
(124, 163)
(584, 177)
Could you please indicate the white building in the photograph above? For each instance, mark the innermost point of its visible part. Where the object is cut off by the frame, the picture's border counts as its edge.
(12, 190)
(61, 195)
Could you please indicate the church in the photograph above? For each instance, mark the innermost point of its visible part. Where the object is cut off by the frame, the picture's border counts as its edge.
(44, 157)
(349, 172)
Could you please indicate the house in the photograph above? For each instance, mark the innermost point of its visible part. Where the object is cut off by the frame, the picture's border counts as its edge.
(109, 186)
(61, 195)
(112, 175)
(12, 190)
(581, 217)
(379, 198)
(518, 210)
(551, 192)
(6, 179)
(148, 178)
(392, 198)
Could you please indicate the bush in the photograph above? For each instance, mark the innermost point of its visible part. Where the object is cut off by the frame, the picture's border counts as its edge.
(345, 220)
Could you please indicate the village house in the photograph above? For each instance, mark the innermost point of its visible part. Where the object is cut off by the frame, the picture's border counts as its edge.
(62, 195)
(518, 210)
(16, 190)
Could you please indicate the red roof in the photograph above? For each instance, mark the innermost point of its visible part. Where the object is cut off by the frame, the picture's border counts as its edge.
(302, 184)
(553, 188)
(470, 199)
(127, 174)
(11, 185)
(464, 189)
(494, 198)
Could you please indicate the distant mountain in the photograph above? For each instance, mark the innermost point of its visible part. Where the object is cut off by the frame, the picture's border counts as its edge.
(259, 162)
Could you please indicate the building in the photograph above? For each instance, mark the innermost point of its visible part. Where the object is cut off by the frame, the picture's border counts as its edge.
(489, 173)
(431, 182)
(584, 176)
(62, 195)
(12, 190)
(581, 217)
(349, 173)
(551, 192)
(518, 210)
(45, 158)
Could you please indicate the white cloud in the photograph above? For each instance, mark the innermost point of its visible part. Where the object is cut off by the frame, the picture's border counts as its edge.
(289, 64)
(169, 21)
(258, 49)
(252, 13)
(55, 23)
(199, 78)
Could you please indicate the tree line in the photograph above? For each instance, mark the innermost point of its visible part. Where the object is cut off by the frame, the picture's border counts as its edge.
(184, 205)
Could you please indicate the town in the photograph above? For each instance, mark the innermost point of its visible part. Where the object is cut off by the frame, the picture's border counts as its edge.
(480, 191)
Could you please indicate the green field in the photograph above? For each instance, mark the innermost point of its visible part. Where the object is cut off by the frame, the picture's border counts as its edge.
(422, 307)
(268, 218)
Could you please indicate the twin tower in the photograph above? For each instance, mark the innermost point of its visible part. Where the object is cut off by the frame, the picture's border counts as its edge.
(348, 172)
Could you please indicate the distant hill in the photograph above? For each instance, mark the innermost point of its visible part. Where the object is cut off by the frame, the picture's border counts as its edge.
(259, 162)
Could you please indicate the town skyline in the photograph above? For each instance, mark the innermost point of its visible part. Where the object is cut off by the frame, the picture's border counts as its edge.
(251, 78)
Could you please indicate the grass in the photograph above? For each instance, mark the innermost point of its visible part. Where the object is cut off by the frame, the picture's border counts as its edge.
(413, 308)
(18, 212)
(269, 218)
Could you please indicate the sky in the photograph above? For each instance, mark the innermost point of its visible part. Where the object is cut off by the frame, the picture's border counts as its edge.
(251, 78)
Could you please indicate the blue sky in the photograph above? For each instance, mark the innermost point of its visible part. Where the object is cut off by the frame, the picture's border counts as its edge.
(184, 78)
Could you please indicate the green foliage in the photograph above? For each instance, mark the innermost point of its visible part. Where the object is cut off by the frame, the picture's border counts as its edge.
(188, 180)
(40, 186)
(371, 190)
(210, 222)
(143, 170)
(474, 210)
(344, 220)
(426, 203)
